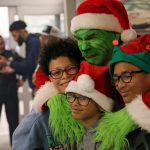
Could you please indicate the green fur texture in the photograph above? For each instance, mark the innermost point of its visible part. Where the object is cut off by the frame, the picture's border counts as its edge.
(61, 122)
(113, 129)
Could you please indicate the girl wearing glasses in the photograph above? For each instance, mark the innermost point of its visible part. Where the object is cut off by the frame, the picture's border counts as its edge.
(130, 72)
(60, 60)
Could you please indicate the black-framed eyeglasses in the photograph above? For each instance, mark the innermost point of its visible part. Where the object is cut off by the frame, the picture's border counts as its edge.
(125, 77)
(82, 100)
(58, 73)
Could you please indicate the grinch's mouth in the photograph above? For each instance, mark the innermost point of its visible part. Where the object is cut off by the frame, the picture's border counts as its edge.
(91, 56)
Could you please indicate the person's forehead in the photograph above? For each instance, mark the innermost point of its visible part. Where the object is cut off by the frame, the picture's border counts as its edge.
(76, 94)
(60, 62)
(15, 32)
(45, 36)
(124, 66)
(88, 31)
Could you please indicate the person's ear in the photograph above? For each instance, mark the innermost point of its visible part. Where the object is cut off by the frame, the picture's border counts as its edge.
(148, 76)
(22, 33)
(100, 109)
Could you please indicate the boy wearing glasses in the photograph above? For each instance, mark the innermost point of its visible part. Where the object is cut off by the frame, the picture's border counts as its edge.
(130, 72)
(87, 102)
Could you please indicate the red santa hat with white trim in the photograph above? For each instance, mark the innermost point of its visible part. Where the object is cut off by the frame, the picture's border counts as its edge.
(109, 15)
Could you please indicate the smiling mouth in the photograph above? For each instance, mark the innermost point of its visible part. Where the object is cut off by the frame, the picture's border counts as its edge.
(76, 110)
(124, 94)
(64, 83)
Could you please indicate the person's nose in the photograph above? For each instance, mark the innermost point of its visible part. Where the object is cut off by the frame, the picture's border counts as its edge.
(84, 45)
(120, 85)
(76, 102)
(65, 75)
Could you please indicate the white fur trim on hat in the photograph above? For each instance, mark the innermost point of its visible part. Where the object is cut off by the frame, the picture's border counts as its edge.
(128, 35)
(43, 94)
(140, 112)
(101, 21)
(85, 86)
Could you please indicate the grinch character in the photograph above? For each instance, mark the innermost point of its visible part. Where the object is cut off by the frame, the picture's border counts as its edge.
(96, 25)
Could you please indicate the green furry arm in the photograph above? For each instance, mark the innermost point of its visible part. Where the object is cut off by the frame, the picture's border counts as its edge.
(113, 129)
(61, 121)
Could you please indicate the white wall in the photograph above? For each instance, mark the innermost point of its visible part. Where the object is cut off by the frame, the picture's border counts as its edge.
(30, 2)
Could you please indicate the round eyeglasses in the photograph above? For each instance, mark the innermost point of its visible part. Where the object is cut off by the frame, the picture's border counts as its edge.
(82, 100)
(125, 77)
(58, 73)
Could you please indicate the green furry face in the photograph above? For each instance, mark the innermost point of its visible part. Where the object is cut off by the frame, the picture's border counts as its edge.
(95, 45)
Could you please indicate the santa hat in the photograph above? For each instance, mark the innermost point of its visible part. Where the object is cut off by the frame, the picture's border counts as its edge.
(42, 96)
(139, 110)
(40, 78)
(136, 52)
(96, 89)
(109, 15)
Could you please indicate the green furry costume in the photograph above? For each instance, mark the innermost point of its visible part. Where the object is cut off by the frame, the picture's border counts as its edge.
(111, 132)
(64, 127)
(113, 129)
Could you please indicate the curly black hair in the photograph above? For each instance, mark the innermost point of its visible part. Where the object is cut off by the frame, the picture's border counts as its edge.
(17, 25)
(64, 47)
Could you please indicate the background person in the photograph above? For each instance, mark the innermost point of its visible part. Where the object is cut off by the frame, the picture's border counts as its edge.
(49, 34)
(9, 87)
(32, 43)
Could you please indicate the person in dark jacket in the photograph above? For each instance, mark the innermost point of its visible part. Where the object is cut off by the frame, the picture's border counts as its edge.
(8, 88)
(32, 43)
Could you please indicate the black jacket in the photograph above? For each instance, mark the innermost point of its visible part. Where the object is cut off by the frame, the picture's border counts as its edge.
(139, 140)
(8, 82)
(28, 65)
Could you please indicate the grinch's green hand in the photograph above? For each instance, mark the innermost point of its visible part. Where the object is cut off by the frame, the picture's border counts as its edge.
(113, 129)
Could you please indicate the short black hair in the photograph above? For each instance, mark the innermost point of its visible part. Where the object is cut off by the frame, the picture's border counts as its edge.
(17, 25)
(63, 47)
